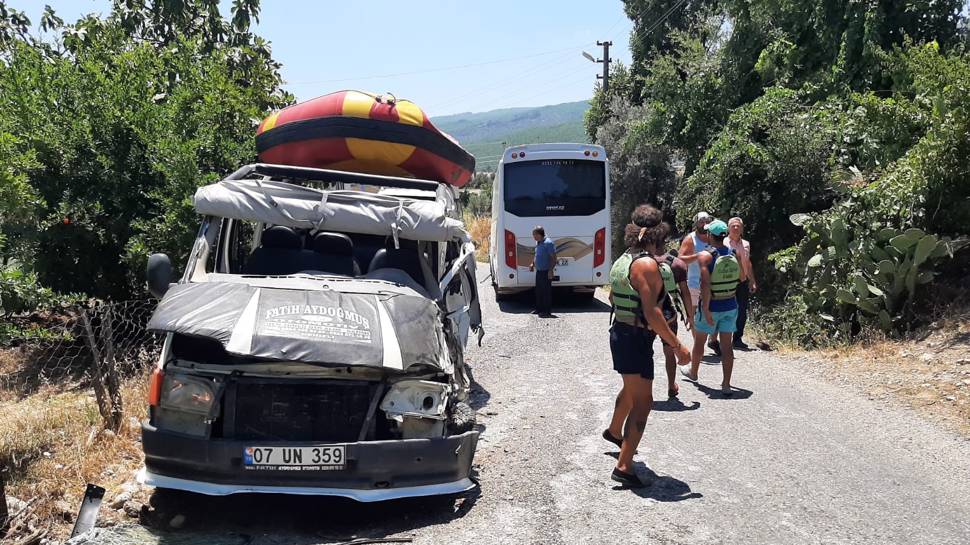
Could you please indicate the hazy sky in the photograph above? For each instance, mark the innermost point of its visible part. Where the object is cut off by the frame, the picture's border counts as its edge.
(448, 57)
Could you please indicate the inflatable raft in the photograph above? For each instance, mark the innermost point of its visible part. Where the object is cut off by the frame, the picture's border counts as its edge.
(362, 132)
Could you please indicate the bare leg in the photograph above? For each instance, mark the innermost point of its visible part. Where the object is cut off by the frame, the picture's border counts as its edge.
(700, 339)
(641, 391)
(620, 411)
(670, 362)
(727, 357)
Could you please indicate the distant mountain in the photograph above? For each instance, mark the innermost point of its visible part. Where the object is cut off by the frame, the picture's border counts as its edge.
(483, 133)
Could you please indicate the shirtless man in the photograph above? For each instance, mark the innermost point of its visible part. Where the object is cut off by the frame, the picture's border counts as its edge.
(695, 242)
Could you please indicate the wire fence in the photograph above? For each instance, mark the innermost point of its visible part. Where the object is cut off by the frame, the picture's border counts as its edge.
(94, 347)
(97, 344)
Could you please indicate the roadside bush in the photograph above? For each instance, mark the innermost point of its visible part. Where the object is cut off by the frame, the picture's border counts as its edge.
(770, 161)
(640, 171)
(869, 259)
(795, 324)
(20, 292)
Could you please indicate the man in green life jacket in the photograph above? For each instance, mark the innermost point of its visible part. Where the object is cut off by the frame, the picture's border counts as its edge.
(717, 311)
(637, 294)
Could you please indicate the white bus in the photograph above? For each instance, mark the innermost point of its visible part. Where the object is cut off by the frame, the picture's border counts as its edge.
(564, 188)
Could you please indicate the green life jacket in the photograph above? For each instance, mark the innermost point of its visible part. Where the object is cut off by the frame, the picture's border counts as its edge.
(627, 307)
(670, 286)
(725, 276)
(626, 299)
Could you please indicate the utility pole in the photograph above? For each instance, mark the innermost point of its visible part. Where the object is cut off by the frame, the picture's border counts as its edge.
(605, 61)
(606, 65)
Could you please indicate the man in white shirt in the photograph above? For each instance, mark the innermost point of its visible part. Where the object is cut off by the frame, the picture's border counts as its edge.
(749, 284)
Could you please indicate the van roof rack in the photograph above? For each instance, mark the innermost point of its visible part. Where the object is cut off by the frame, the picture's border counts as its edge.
(306, 174)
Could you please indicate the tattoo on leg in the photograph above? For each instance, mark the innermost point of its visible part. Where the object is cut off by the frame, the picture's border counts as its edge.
(641, 425)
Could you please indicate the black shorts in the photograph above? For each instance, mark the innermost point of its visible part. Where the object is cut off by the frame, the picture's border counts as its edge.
(632, 349)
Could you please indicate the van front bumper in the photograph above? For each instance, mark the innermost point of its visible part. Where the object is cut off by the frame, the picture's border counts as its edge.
(375, 470)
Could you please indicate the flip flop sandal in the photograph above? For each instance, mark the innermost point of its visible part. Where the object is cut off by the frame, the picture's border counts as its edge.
(609, 437)
(686, 373)
(672, 392)
(628, 480)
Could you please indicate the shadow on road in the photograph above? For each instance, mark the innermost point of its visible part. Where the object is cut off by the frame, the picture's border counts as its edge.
(675, 405)
(563, 301)
(663, 488)
(478, 396)
(715, 393)
(711, 360)
(300, 520)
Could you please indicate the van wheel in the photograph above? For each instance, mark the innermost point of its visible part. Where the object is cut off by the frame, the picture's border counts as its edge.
(461, 419)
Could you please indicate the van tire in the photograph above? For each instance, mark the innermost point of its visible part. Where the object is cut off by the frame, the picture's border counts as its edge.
(461, 418)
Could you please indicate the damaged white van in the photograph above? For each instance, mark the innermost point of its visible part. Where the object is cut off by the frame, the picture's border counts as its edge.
(314, 344)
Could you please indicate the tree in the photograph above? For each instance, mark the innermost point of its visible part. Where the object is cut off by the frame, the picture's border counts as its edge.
(640, 172)
(621, 86)
(117, 121)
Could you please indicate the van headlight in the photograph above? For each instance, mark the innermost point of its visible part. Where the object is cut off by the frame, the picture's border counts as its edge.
(420, 398)
(188, 394)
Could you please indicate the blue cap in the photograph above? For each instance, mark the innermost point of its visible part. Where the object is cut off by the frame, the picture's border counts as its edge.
(717, 227)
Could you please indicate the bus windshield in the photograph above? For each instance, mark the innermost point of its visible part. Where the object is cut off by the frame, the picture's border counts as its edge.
(555, 187)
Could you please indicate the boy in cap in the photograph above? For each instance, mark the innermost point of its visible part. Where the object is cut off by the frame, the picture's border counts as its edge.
(717, 311)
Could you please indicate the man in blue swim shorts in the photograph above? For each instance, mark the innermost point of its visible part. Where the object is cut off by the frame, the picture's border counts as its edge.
(717, 311)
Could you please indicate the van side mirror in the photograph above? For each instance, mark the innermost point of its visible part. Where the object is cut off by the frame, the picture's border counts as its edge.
(159, 274)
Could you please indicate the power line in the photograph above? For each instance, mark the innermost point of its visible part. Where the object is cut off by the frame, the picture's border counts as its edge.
(663, 17)
(576, 77)
(516, 77)
(439, 69)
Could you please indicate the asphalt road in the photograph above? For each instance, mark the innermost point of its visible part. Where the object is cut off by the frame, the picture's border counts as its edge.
(790, 459)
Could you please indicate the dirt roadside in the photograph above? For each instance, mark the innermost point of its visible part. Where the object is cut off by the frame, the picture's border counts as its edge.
(929, 371)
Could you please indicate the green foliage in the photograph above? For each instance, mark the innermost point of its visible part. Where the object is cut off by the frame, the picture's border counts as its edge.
(687, 96)
(477, 198)
(770, 161)
(113, 125)
(640, 172)
(20, 292)
(795, 323)
(621, 85)
(853, 114)
(858, 268)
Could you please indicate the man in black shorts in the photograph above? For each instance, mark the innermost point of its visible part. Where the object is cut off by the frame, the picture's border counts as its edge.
(679, 269)
(637, 294)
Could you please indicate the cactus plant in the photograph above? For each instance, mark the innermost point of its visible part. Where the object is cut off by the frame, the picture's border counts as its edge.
(873, 269)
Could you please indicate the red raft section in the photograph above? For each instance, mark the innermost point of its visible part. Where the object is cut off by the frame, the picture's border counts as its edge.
(362, 132)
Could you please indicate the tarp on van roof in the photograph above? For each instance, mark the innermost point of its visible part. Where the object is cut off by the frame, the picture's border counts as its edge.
(281, 203)
(325, 327)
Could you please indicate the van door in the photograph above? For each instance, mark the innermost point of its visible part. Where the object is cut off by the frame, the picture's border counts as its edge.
(459, 288)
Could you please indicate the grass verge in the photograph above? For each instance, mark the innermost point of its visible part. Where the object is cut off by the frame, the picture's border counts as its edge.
(53, 444)
(480, 228)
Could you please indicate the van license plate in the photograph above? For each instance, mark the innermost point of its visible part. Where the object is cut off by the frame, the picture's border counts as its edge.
(328, 458)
